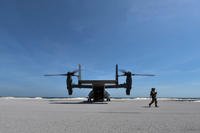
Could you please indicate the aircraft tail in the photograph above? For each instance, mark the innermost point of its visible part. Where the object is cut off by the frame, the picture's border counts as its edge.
(79, 73)
(116, 74)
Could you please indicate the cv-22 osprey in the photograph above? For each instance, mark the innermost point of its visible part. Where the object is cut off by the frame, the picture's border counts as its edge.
(98, 92)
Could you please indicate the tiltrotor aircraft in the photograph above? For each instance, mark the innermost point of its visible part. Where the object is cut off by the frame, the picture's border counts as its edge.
(98, 92)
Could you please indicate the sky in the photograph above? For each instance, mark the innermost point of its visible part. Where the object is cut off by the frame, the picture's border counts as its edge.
(39, 37)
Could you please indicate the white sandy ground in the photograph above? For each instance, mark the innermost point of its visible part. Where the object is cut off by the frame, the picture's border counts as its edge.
(118, 116)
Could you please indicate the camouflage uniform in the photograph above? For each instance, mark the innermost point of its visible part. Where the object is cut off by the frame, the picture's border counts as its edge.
(153, 96)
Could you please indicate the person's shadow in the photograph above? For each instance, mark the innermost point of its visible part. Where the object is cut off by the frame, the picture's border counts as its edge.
(145, 107)
(149, 107)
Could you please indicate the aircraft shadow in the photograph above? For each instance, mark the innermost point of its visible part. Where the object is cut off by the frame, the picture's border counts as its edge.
(76, 102)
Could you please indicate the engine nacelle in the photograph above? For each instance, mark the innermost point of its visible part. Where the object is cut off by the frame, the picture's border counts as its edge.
(128, 83)
(69, 84)
(128, 91)
(70, 91)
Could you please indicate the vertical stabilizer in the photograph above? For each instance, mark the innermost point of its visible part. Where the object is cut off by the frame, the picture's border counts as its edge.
(79, 73)
(116, 74)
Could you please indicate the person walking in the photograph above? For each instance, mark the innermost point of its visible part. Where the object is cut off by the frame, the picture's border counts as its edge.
(153, 95)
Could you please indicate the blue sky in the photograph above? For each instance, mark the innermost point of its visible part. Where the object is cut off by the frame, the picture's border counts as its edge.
(47, 36)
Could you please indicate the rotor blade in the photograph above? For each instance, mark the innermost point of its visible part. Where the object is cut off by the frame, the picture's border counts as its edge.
(123, 71)
(143, 75)
(121, 75)
(56, 74)
(75, 71)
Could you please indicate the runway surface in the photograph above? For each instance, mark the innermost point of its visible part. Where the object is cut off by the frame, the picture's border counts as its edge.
(117, 116)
